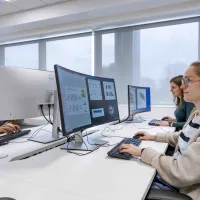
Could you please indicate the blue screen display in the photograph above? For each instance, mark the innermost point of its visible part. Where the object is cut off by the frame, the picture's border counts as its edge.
(139, 99)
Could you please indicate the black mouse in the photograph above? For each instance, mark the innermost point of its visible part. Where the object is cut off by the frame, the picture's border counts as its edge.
(6, 198)
(164, 118)
(137, 137)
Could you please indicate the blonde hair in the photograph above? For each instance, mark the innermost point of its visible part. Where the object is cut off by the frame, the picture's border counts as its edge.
(197, 67)
(196, 64)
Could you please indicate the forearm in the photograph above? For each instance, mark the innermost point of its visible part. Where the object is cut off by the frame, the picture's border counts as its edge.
(175, 171)
(178, 125)
(169, 137)
(173, 120)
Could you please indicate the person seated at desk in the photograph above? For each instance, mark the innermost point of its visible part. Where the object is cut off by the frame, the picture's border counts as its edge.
(182, 170)
(7, 127)
(183, 109)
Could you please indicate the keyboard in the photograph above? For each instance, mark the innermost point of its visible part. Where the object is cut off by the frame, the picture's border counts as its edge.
(5, 138)
(114, 152)
(152, 122)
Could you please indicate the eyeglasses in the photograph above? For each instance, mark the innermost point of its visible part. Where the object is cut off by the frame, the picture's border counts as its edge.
(187, 80)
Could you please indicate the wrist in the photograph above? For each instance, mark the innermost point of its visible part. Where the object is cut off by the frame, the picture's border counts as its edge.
(142, 151)
(170, 124)
(153, 137)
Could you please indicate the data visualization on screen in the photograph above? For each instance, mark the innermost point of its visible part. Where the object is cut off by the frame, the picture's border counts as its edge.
(74, 100)
(95, 90)
(109, 90)
(138, 99)
(85, 100)
(103, 100)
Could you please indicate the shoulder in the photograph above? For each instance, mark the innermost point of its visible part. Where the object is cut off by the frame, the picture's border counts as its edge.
(188, 105)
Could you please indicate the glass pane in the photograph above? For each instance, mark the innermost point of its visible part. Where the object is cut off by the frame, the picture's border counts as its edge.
(25, 56)
(166, 52)
(74, 54)
(108, 50)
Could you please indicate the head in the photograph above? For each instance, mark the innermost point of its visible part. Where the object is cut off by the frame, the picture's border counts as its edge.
(175, 88)
(191, 84)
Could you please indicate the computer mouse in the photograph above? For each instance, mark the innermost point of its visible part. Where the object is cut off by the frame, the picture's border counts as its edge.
(137, 136)
(164, 118)
(6, 198)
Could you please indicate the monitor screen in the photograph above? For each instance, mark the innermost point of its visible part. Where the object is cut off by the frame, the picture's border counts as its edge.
(138, 99)
(85, 101)
(103, 100)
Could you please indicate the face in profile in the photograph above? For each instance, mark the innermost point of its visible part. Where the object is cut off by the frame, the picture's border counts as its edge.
(191, 89)
(175, 89)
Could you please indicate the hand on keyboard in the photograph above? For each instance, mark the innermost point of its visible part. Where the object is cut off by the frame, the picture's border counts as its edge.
(115, 151)
(9, 128)
(131, 149)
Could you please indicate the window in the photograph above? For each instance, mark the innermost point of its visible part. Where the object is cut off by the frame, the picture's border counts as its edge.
(147, 57)
(166, 52)
(108, 50)
(73, 53)
(25, 56)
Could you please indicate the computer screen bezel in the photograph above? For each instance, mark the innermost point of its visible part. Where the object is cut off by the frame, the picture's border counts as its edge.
(137, 110)
(65, 132)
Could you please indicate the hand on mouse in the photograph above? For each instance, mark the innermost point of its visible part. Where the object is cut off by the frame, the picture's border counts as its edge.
(167, 118)
(129, 148)
(145, 136)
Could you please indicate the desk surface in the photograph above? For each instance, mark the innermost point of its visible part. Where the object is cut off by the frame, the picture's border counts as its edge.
(57, 174)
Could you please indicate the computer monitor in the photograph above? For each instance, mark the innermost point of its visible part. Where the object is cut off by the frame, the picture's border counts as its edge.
(85, 101)
(139, 100)
(23, 91)
(102, 100)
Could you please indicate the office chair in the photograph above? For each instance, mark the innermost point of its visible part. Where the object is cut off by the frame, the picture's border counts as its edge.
(157, 194)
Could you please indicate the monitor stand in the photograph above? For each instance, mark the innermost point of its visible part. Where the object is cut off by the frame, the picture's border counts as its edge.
(83, 143)
(115, 122)
(133, 119)
(45, 139)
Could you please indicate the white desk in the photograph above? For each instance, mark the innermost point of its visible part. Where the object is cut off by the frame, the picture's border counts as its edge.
(94, 176)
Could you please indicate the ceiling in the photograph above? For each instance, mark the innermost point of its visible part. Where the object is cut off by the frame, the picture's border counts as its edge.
(43, 18)
(14, 6)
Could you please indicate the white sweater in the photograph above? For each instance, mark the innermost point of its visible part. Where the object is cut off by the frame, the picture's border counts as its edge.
(183, 169)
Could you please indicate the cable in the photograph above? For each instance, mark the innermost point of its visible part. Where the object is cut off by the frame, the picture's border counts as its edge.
(124, 119)
(32, 136)
(49, 106)
(121, 127)
(41, 107)
(81, 154)
(49, 121)
(109, 136)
